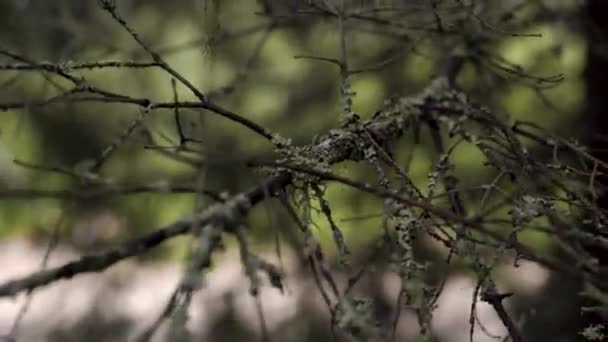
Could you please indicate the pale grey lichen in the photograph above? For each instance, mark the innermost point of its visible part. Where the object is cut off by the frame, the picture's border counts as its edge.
(528, 208)
(355, 318)
(595, 332)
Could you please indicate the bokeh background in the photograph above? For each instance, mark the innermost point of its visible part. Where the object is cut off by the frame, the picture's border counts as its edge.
(251, 56)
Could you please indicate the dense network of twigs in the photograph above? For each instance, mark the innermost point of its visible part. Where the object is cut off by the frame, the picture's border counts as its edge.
(480, 225)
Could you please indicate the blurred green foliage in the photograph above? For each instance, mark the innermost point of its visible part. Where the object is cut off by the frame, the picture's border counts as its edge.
(299, 98)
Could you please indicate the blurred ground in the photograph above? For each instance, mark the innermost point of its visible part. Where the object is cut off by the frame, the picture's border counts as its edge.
(118, 304)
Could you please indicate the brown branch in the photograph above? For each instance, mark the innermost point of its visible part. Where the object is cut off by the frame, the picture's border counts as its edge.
(331, 148)
(495, 299)
(110, 7)
(446, 215)
(103, 260)
(94, 262)
(63, 67)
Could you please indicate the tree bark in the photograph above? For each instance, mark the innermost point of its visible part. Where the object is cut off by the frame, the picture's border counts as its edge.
(596, 111)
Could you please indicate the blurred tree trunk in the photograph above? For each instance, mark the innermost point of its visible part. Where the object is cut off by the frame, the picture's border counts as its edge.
(596, 111)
